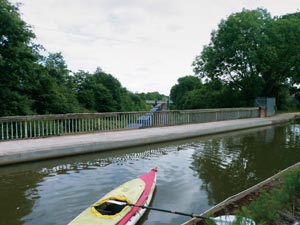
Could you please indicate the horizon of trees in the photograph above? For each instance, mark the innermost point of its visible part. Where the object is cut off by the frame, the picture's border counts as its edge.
(32, 83)
(250, 55)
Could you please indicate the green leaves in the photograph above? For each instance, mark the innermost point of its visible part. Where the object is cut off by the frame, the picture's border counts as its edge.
(232, 55)
(266, 208)
(34, 84)
(190, 93)
(253, 52)
(17, 61)
(101, 92)
(94, 96)
(185, 84)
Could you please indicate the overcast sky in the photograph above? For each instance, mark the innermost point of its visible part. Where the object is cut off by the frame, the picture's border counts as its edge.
(146, 44)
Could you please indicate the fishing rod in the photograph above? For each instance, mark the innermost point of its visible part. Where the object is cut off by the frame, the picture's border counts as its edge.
(224, 220)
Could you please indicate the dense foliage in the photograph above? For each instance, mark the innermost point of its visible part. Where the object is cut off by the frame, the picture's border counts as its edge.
(31, 83)
(153, 96)
(191, 93)
(102, 92)
(18, 60)
(250, 55)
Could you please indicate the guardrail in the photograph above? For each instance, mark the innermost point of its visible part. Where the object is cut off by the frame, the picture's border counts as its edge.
(23, 127)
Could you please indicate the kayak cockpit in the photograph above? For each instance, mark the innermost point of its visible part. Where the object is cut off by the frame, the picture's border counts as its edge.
(109, 208)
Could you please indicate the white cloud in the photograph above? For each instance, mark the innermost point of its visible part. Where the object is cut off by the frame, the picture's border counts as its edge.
(146, 44)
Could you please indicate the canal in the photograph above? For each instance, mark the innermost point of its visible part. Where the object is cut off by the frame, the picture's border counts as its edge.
(193, 175)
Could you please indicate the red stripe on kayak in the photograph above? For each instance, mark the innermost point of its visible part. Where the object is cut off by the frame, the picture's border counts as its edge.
(148, 178)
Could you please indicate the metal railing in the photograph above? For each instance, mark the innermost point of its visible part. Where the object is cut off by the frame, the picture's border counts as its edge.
(22, 127)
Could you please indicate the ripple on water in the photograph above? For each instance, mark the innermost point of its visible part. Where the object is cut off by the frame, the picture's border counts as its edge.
(192, 174)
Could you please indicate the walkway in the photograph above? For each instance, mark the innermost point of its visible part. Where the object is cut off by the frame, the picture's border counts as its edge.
(52, 147)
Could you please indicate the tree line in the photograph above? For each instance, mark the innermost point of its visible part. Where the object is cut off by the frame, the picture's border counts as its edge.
(36, 83)
(250, 55)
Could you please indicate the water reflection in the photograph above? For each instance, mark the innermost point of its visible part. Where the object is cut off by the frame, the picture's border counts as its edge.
(233, 163)
(16, 199)
(193, 175)
(55, 191)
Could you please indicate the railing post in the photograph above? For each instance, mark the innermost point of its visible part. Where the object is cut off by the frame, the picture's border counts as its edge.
(25, 130)
(2, 131)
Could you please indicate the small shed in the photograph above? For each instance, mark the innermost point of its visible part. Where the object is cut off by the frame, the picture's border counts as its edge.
(268, 103)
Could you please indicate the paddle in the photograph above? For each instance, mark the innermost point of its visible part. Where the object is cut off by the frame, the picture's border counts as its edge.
(221, 220)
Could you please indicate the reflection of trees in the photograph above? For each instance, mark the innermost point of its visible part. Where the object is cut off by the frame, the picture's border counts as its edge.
(232, 163)
(16, 202)
(292, 136)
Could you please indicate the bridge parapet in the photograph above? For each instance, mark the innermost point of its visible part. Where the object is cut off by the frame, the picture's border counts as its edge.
(39, 126)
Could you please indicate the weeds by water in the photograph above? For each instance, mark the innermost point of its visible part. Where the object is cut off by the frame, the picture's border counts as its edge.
(268, 207)
(277, 206)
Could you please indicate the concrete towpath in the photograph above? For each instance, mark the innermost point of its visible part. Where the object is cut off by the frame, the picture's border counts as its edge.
(35, 149)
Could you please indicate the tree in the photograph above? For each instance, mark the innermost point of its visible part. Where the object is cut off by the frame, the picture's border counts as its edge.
(18, 58)
(280, 60)
(132, 102)
(56, 67)
(102, 92)
(98, 92)
(96, 98)
(178, 91)
(153, 96)
(233, 53)
(213, 94)
(114, 87)
(255, 53)
(52, 92)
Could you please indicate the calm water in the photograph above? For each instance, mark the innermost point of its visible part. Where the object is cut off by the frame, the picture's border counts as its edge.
(193, 175)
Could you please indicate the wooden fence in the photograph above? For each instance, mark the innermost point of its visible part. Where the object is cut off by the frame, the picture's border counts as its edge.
(22, 127)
